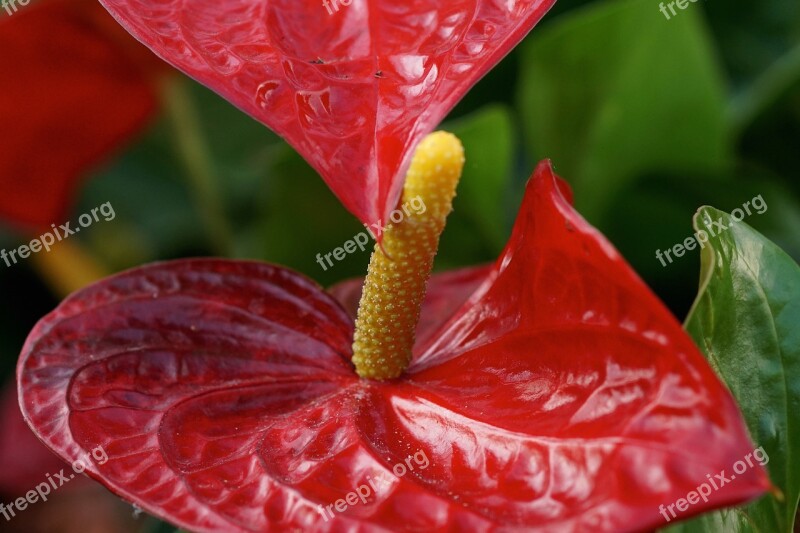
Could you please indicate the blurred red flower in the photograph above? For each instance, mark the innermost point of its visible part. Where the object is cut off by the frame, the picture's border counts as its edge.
(75, 87)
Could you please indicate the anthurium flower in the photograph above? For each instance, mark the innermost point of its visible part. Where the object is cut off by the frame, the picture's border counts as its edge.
(353, 90)
(75, 87)
(550, 391)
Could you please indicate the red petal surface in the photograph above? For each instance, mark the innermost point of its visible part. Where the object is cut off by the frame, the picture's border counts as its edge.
(561, 396)
(603, 407)
(352, 91)
(73, 90)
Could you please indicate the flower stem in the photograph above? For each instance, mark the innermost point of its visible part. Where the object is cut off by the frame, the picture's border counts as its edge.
(194, 152)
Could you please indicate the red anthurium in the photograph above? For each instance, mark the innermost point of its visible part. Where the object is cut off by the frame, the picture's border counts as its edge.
(352, 90)
(560, 396)
(74, 88)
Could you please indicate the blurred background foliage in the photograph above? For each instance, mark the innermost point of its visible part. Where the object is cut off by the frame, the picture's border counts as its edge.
(647, 118)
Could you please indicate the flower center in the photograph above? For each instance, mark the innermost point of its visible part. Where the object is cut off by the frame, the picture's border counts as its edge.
(399, 270)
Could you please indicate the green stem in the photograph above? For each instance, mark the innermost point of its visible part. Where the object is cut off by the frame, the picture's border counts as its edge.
(765, 91)
(194, 154)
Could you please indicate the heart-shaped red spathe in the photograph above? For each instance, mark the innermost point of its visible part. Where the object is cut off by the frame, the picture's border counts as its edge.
(560, 396)
(352, 91)
(75, 88)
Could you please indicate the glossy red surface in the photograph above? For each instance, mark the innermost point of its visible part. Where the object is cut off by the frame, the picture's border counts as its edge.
(561, 396)
(74, 88)
(353, 91)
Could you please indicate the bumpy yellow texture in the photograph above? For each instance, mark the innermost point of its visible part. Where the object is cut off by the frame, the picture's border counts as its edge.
(395, 285)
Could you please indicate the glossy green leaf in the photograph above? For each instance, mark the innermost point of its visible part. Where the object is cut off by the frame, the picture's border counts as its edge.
(615, 90)
(745, 320)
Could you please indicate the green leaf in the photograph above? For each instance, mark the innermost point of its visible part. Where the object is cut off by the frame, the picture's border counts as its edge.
(299, 222)
(615, 90)
(488, 138)
(745, 320)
